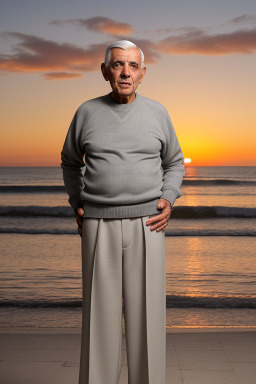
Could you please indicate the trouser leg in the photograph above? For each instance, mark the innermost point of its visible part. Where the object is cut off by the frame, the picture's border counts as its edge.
(100, 361)
(144, 281)
(115, 252)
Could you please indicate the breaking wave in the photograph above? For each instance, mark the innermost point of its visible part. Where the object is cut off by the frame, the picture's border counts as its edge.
(172, 301)
(184, 212)
(61, 188)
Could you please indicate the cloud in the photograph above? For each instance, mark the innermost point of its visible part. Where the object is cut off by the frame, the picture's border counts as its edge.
(98, 24)
(61, 75)
(161, 30)
(35, 54)
(243, 19)
(54, 60)
(198, 42)
(188, 29)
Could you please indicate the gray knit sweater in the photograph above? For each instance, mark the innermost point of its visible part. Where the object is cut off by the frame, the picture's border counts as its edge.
(118, 160)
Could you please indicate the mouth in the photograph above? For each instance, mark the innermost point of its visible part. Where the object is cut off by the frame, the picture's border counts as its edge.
(124, 84)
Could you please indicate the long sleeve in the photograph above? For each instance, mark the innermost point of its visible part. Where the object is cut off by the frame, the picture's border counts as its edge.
(73, 164)
(118, 160)
(172, 161)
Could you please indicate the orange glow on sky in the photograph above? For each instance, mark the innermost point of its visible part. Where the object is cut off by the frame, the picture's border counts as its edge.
(210, 95)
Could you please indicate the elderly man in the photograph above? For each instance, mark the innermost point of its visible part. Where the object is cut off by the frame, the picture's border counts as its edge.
(133, 175)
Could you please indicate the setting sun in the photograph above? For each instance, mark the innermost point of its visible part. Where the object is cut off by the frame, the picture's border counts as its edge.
(187, 160)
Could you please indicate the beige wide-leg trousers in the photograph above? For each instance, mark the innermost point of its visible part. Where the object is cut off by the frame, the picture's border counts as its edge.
(123, 259)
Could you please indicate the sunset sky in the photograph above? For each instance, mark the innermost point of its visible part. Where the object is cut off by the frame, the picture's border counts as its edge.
(200, 57)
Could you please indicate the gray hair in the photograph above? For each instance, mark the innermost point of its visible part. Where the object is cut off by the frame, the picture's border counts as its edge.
(123, 44)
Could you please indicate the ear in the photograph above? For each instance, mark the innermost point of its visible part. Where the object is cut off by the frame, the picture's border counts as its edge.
(104, 71)
(142, 74)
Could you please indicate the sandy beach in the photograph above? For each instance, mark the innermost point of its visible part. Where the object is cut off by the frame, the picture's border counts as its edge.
(193, 356)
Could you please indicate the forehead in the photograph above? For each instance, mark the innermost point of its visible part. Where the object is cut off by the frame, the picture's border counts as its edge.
(131, 54)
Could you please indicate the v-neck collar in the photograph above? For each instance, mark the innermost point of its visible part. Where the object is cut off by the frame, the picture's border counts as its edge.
(119, 111)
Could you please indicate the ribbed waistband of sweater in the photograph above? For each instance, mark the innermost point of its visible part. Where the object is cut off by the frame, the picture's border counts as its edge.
(107, 211)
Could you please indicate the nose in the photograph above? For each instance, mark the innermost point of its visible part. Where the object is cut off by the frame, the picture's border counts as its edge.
(126, 71)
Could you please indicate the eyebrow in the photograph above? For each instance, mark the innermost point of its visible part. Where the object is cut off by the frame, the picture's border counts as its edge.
(122, 62)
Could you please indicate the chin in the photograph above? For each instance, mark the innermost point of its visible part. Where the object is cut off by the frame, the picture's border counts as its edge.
(125, 92)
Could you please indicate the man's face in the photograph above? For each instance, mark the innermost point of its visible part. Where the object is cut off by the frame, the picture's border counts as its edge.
(124, 71)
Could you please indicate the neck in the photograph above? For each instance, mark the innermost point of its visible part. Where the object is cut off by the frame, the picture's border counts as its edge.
(123, 99)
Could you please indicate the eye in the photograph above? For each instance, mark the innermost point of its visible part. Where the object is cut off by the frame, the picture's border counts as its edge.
(134, 66)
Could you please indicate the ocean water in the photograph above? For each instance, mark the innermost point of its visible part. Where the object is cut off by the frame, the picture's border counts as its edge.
(210, 250)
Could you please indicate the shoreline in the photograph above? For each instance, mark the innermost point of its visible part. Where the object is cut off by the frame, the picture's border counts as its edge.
(77, 330)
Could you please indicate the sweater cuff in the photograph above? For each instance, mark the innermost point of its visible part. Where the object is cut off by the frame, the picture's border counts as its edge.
(170, 195)
(75, 202)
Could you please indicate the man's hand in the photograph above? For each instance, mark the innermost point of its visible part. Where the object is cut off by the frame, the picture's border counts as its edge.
(160, 221)
(79, 219)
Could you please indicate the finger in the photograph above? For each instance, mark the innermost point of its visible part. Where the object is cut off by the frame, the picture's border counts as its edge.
(79, 220)
(160, 223)
(161, 228)
(155, 218)
(79, 215)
